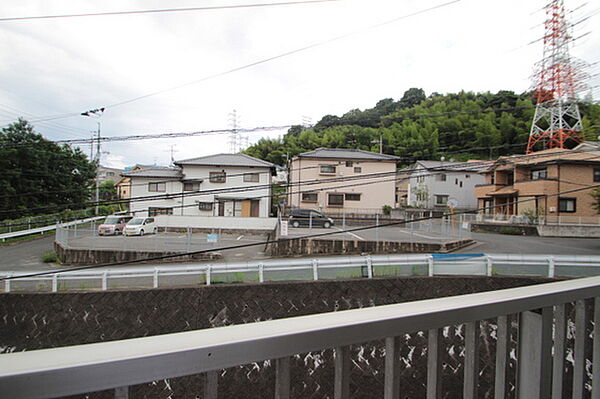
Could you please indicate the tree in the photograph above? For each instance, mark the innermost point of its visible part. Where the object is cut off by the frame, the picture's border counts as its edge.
(37, 173)
(596, 196)
(107, 191)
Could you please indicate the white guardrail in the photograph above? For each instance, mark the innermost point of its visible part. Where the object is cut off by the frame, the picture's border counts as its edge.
(303, 269)
(45, 229)
(541, 348)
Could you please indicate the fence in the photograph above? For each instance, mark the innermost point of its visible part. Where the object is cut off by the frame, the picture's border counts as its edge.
(44, 229)
(540, 348)
(323, 268)
(541, 220)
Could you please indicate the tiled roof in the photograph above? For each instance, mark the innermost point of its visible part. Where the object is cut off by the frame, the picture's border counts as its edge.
(227, 160)
(344, 153)
(552, 155)
(155, 171)
(451, 166)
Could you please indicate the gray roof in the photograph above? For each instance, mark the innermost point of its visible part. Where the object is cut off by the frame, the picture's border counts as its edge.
(227, 160)
(345, 153)
(450, 166)
(155, 171)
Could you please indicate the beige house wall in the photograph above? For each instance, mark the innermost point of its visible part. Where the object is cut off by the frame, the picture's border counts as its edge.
(374, 192)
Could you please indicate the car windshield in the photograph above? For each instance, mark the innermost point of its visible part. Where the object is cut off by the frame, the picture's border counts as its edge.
(111, 221)
(135, 221)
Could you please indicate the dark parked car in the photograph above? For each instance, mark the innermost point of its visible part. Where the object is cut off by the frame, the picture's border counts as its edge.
(306, 217)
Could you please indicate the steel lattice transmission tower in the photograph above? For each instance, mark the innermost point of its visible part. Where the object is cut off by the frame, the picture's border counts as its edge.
(557, 80)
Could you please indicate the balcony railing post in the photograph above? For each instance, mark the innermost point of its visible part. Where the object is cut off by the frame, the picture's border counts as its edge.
(155, 280)
(341, 386)
(392, 374)
(558, 362)
(282, 378)
(534, 357)
(471, 360)
(434, 364)
(430, 265)
(369, 266)
(489, 266)
(261, 273)
(596, 351)
(7, 283)
(502, 334)
(551, 267)
(211, 384)
(208, 274)
(579, 373)
(122, 393)
(54, 282)
(104, 281)
(315, 266)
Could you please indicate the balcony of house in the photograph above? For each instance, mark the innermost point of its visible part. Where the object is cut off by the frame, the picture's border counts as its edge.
(485, 190)
(532, 187)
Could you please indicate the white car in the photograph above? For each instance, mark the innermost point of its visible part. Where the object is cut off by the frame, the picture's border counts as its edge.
(139, 226)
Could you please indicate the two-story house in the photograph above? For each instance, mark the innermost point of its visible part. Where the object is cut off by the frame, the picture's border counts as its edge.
(342, 180)
(546, 183)
(235, 185)
(435, 184)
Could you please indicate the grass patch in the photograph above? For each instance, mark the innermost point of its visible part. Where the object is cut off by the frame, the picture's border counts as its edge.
(50, 257)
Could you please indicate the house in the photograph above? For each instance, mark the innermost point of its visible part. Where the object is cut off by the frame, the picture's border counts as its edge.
(234, 185)
(342, 180)
(435, 184)
(108, 174)
(538, 184)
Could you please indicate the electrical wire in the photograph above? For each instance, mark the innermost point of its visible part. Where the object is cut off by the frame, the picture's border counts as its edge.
(267, 242)
(164, 10)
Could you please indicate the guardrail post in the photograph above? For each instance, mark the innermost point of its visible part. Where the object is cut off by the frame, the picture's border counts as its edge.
(261, 273)
(7, 283)
(502, 334)
(155, 278)
(430, 265)
(122, 393)
(369, 266)
(489, 272)
(54, 282)
(534, 356)
(211, 384)
(282, 378)
(315, 265)
(596, 351)
(579, 372)
(551, 267)
(471, 360)
(392, 374)
(208, 274)
(104, 281)
(558, 359)
(341, 386)
(434, 364)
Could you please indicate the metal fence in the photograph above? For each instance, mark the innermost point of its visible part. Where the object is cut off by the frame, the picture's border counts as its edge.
(566, 220)
(306, 269)
(44, 229)
(541, 348)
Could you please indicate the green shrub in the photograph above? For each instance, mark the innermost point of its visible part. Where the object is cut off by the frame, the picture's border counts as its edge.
(50, 257)
(514, 231)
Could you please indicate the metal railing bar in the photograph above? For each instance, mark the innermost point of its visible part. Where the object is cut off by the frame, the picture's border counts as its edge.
(579, 372)
(471, 380)
(341, 383)
(282, 378)
(434, 364)
(211, 384)
(502, 356)
(93, 367)
(391, 388)
(558, 365)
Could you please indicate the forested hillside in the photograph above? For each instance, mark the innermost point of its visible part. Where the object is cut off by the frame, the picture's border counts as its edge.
(458, 126)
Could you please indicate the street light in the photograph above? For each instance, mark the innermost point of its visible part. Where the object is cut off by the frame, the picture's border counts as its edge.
(96, 113)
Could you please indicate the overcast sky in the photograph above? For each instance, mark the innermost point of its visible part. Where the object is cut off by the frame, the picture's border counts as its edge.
(71, 65)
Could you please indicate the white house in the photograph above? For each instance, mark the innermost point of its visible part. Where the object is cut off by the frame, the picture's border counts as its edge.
(229, 185)
(434, 184)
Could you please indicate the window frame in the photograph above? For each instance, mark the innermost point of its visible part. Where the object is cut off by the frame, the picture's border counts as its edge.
(156, 211)
(157, 186)
(358, 169)
(335, 204)
(534, 174)
(440, 177)
(208, 206)
(346, 195)
(325, 172)
(567, 200)
(303, 199)
(217, 177)
(596, 175)
(251, 177)
(438, 203)
(192, 183)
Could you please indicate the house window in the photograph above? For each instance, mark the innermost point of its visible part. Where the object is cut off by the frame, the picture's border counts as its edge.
(567, 204)
(440, 177)
(251, 177)
(441, 200)
(352, 197)
(310, 197)
(349, 164)
(205, 206)
(110, 173)
(422, 197)
(420, 179)
(157, 187)
(336, 200)
(159, 211)
(217, 177)
(191, 186)
(327, 168)
(539, 174)
(510, 179)
(357, 169)
(596, 175)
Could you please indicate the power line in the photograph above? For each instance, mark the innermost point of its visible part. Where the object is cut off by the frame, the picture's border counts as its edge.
(164, 10)
(266, 242)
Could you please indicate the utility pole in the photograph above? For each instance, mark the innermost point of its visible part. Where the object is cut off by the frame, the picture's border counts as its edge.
(96, 113)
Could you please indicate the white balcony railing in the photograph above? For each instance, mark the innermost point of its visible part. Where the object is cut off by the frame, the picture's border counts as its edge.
(540, 353)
